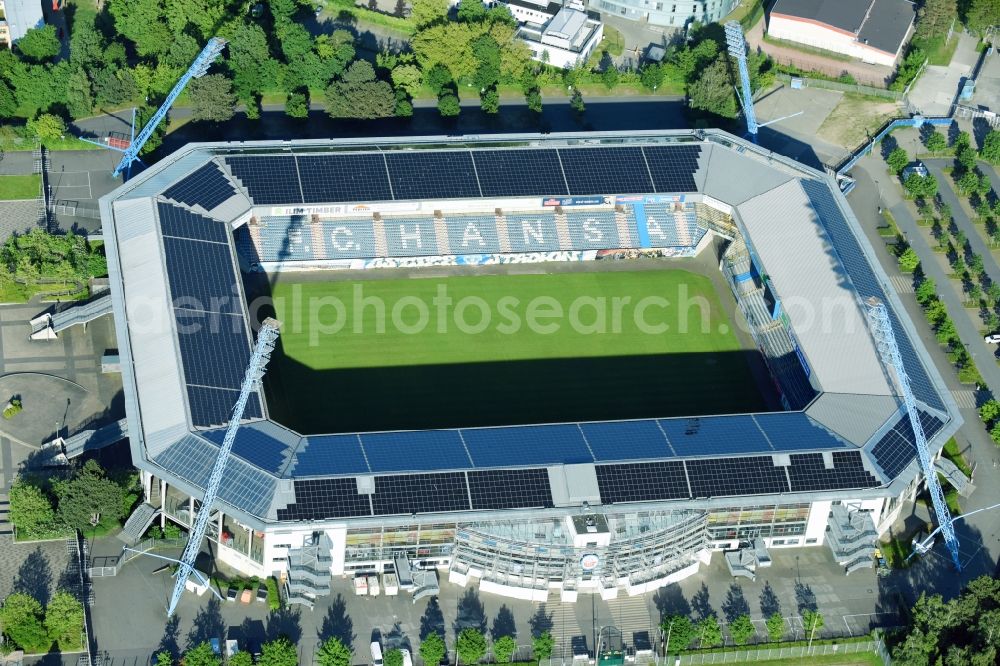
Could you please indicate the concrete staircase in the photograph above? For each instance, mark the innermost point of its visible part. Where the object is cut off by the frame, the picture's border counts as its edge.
(441, 231)
(626, 237)
(502, 233)
(6, 528)
(378, 229)
(138, 523)
(562, 231)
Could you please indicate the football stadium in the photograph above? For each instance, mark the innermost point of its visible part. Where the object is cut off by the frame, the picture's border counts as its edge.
(537, 364)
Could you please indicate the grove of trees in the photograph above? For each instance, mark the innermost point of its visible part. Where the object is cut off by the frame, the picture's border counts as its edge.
(34, 629)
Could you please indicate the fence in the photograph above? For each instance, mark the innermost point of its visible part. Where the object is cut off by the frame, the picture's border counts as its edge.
(844, 87)
(916, 121)
(128, 555)
(798, 652)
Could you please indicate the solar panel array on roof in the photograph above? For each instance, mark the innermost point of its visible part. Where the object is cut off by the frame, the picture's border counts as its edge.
(208, 313)
(642, 482)
(620, 170)
(528, 445)
(723, 477)
(176, 221)
(269, 179)
(627, 440)
(672, 167)
(808, 472)
(256, 447)
(795, 431)
(320, 455)
(897, 447)
(432, 175)
(519, 173)
(714, 436)
(318, 499)
(243, 485)
(206, 187)
(201, 276)
(420, 493)
(510, 489)
(414, 450)
(344, 177)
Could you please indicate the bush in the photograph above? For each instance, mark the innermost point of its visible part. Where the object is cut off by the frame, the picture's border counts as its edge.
(21, 617)
(171, 531)
(273, 597)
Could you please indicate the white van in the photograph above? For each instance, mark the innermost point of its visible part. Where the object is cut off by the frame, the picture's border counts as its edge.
(376, 654)
(407, 659)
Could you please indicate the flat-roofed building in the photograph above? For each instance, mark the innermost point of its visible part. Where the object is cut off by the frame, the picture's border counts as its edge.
(18, 17)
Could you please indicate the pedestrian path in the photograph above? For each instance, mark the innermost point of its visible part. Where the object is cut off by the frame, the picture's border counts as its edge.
(5, 526)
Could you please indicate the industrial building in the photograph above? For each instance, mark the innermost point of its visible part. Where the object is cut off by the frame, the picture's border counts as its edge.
(609, 507)
(873, 31)
(18, 17)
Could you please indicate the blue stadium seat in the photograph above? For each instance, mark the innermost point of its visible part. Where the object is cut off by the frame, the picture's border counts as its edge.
(472, 234)
(661, 225)
(593, 229)
(286, 238)
(411, 236)
(349, 238)
(532, 232)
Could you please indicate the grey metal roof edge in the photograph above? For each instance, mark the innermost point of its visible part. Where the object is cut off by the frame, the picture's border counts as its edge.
(886, 424)
(129, 385)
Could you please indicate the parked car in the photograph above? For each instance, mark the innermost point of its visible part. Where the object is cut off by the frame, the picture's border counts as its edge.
(231, 593)
(376, 653)
(407, 658)
(992, 338)
(262, 592)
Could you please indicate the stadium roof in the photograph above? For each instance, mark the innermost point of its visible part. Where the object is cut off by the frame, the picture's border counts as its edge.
(184, 335)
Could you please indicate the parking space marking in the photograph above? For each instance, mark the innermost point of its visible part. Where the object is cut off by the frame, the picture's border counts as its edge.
(966, 399)
(902, 284)
(71, 184)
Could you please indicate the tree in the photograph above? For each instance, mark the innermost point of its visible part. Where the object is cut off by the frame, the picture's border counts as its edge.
(164, 658)
(709, 632)
(897, 160)
(142, 21)
(968, 183)
(775, 627)
(966, 157)
(935, 17)
(425, 12)
(926, 291)
(438, 78)
(470, 646)
(680, 631)
(113, 87)
(40, 44)
(47, 127)
(404, 107)
(90, 493)
(995, 433)
(541, 645)
(8, 102)
(31, 511)
(812, 621)
(360, 99)
(432, 649)
(935, 312)
(713, 90)
(448, 105)
(989, 411)
(534, 99)
(202, 655)
(741, 629)
(250, 60)
(212, 98)
(976, 265)
(576, 101)
(609, 77)
(64, 620)
(297, 105)
(21, 618)
(204, 15)
(908, 260)
(936, 142)
(504, 649)
(241, 658)
(333, 652)
(79, 94)
(490, 100)
(407, 77)
(651, 76)
(393, 657)
(360, 71)
(981, 14)
(279, 652)
(471, 10)
(991, 147)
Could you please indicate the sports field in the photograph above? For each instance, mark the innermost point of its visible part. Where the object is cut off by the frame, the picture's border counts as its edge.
(503, 349)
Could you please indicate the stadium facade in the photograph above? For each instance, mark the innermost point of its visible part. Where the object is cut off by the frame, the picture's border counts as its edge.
(525, 511)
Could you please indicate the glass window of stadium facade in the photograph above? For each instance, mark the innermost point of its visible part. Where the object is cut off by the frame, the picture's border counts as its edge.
(667, 13)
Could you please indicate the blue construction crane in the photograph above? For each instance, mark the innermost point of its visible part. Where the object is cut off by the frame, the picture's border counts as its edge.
(266, 337)
(885, 339)
(738, 50)
(197, 69)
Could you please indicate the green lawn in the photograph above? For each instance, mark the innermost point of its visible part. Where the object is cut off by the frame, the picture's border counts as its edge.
(20, 187)
(336, 371)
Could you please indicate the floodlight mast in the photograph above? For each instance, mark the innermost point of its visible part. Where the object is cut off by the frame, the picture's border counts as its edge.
(738, 49)
(266, 337)
(197, 69)
(885, 339)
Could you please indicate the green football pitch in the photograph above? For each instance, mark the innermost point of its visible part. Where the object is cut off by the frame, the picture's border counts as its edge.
(503, 350)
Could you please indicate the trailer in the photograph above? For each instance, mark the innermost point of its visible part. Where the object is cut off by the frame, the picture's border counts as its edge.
(390, 584)
(373, 588)
(360, 585)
